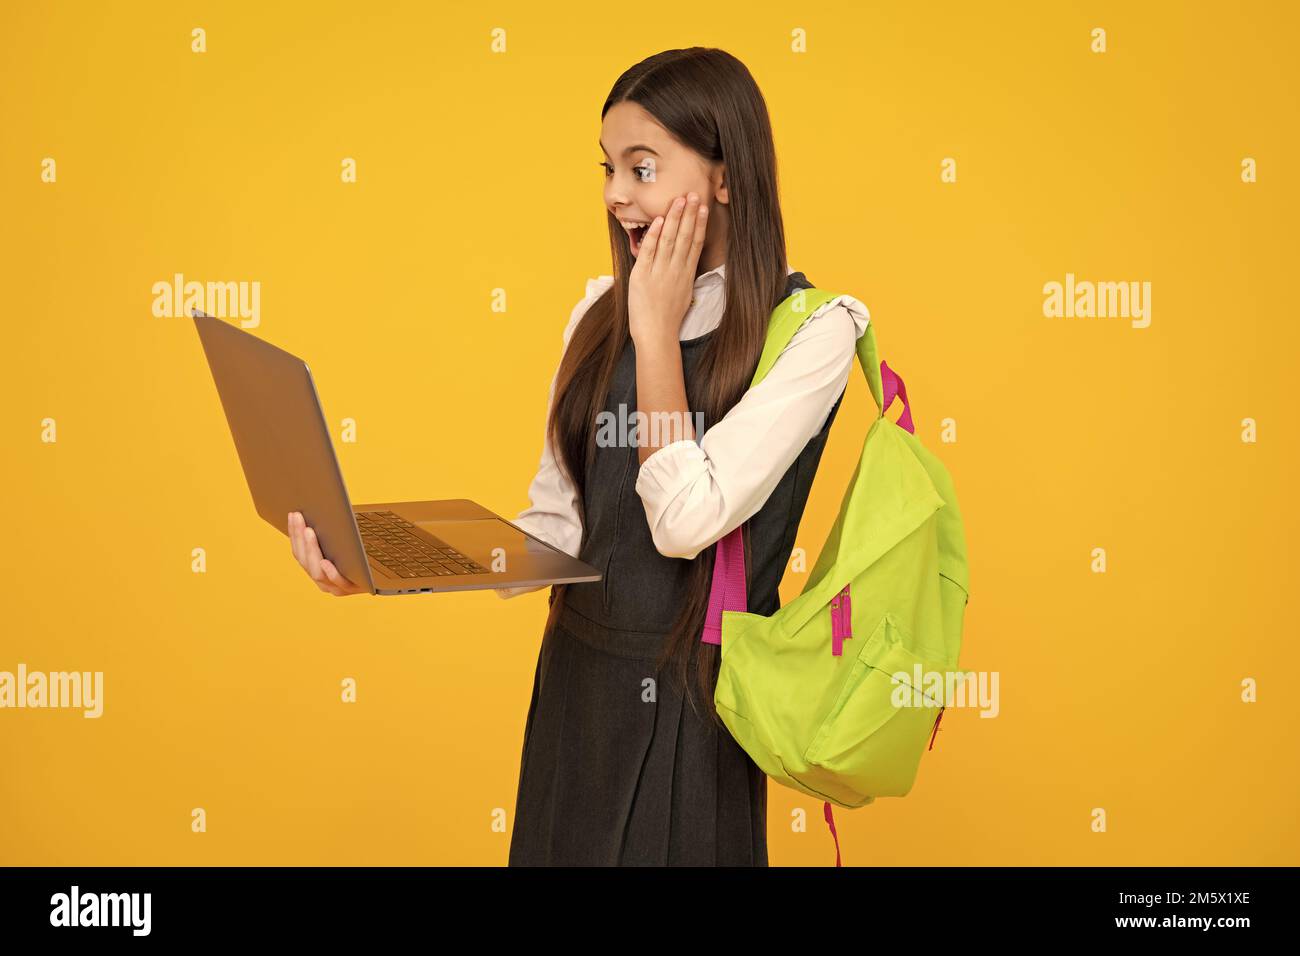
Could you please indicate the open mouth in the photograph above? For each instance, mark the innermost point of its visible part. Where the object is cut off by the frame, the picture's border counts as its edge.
(636, 234)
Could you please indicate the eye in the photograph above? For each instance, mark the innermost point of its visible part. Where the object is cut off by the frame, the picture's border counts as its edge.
(644, 174)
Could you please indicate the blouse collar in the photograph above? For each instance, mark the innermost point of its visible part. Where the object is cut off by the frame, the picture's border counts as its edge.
(720, 274)
(707, 301)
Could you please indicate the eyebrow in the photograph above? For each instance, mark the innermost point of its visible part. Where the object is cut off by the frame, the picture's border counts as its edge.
(639, 147)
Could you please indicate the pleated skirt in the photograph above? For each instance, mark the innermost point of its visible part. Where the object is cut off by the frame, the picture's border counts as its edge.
(617, 768)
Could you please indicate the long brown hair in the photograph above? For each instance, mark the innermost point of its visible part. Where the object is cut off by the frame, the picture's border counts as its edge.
(707, 99)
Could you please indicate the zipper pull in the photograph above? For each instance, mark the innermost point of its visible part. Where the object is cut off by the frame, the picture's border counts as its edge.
(837, 635)
(936, 729)
(841, 620)
(830, 822)
(846, 613)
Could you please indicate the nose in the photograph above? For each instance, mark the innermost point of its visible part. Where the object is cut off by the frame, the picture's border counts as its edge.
(615, 194)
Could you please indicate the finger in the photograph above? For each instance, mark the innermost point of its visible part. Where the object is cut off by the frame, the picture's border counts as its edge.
(313, 554)
(334, 577)
(329, 588)
(646, 254)
(697, 239)
(686, 232)
(671, 227)
(295, 536)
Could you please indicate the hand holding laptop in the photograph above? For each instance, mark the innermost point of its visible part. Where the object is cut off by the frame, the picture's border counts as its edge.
(390, 547)
(306, 549)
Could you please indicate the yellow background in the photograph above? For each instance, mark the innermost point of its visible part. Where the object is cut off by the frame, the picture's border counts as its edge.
(478, 171)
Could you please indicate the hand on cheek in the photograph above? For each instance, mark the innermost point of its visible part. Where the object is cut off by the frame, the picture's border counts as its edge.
(659, 288)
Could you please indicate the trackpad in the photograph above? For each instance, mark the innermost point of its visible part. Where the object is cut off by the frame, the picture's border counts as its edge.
(485, 539)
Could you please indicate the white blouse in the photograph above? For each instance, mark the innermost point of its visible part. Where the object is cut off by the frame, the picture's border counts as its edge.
(697, 490)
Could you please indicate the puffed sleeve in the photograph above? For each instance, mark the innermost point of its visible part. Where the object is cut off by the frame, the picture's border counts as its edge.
(696, 491)
(552, 514)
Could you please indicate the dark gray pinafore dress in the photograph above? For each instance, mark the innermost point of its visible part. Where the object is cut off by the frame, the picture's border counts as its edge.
(617, 768)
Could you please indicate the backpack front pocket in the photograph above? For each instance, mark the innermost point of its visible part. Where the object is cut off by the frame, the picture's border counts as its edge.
(875, 732)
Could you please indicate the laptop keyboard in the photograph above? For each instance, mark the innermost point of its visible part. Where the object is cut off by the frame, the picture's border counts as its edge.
(390, 542)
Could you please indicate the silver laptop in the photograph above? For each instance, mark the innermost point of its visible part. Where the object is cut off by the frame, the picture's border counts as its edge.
(393, 547)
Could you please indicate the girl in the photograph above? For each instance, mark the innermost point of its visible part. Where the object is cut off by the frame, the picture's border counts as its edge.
(624, 759)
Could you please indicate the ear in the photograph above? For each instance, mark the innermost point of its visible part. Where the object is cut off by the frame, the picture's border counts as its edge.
(719, 180)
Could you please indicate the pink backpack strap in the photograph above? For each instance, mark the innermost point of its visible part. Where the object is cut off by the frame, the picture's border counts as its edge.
(728, 590)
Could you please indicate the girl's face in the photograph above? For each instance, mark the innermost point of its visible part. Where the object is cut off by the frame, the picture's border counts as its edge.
(646, 169)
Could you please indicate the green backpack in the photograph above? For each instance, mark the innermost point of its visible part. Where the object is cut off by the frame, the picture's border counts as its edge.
(834, 694)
